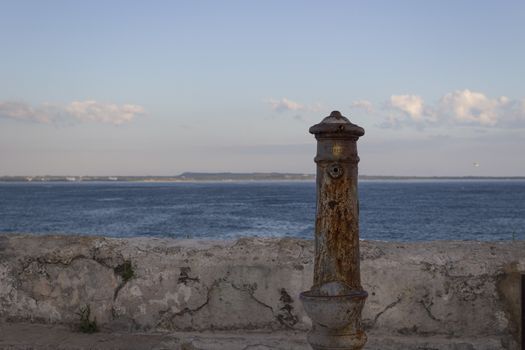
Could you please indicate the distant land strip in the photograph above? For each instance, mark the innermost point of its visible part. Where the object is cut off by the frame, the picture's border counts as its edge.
(225, 176)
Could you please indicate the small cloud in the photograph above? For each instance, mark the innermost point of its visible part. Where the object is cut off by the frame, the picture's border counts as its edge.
(408, 109)
(22, 111)
(411, 105)
(285, 104)
(103, 113)
(364, 105)
(76, 111)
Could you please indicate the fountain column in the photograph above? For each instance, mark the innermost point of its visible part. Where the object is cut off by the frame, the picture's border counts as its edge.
(336, 299)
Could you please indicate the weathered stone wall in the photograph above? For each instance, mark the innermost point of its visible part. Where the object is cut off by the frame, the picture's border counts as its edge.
(454, 290)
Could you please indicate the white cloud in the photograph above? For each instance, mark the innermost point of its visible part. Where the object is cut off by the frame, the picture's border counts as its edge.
(470, 107)
(285, 104)
(461, 107)
(104, 113)
(22, 111)
(411, 105)
(365, 105)
(76, 111)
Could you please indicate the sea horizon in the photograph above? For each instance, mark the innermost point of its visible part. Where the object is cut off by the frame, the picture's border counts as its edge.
(232, 177)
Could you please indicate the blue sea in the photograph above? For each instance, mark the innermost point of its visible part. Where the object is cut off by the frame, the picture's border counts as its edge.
(398, 210)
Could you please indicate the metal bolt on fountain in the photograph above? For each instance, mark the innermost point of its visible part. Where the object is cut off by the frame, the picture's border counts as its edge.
(336, 299)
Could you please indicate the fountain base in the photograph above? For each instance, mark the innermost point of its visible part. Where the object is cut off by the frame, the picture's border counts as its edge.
(336, 320)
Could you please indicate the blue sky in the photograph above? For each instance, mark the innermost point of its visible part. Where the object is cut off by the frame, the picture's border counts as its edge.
(136, 88)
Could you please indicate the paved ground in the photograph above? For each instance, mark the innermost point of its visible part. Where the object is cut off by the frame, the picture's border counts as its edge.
(21, 336)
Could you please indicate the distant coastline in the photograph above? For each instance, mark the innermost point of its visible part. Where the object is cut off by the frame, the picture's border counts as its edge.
(226, 176)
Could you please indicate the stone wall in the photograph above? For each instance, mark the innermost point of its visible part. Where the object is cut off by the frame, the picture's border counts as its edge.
(451, 290)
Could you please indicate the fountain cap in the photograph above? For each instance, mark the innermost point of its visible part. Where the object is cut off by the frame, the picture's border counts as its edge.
(337, 126)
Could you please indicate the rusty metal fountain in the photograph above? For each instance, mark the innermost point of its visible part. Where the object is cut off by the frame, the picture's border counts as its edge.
(336, 299)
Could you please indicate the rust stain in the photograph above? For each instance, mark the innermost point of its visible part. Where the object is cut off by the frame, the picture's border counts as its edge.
(337, 234)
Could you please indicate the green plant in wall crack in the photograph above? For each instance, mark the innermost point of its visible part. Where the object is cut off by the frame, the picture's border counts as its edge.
(86, 324)
(125, 270)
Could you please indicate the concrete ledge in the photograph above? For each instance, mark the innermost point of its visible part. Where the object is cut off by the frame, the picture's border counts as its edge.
(448, 295)
(52, 337)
